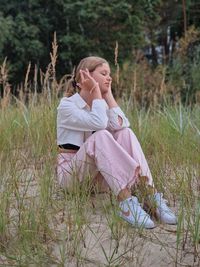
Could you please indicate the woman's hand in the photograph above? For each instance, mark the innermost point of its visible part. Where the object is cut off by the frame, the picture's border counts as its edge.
(87, 82)
(109, 98)
(108, 95)
(89, 87)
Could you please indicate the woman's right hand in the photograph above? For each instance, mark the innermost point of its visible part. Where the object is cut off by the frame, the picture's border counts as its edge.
(87, 82)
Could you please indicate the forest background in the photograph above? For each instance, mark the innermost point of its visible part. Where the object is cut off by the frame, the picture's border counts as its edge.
(160, 40)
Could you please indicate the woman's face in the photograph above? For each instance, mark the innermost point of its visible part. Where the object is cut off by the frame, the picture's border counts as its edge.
(102, 75)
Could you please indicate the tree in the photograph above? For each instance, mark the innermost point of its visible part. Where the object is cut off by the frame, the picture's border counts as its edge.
(83, 28)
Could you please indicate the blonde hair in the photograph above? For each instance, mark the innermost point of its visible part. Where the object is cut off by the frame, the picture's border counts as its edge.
(90, 63)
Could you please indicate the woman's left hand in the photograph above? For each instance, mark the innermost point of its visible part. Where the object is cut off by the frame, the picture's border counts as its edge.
(108, 95)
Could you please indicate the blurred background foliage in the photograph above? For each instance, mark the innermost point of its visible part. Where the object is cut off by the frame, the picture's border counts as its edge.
(165, 33)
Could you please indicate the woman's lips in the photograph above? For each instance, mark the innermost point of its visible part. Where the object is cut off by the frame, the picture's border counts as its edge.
(108, 84)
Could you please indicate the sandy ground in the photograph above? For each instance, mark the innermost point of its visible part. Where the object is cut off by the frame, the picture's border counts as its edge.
(99, 242)
(98, 247)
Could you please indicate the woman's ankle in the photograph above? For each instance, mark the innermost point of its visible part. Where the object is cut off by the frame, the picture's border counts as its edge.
(124, 194)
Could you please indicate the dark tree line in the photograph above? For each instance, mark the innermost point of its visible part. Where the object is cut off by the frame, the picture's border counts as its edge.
(89, 27)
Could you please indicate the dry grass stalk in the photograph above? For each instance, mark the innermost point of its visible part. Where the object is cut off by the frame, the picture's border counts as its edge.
(117, 70)
(116, 63)
(22, 96)
(26, 89)
(46, 84)
(35, 84)
(61, 86)
(49, 82)
(5, 84)
(41, 78)
(163, 84)
(54, 56)
(35, 81)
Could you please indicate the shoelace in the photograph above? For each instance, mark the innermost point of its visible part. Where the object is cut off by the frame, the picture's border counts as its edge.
(138, 207)
(163, 204)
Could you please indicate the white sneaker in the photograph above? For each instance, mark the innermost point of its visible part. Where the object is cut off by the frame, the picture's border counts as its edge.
(163, 212)
(132, 212)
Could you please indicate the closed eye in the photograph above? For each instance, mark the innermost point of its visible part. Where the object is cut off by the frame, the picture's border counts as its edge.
(105, 73)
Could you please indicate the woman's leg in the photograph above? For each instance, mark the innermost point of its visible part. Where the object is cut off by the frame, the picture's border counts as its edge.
(101, 185)
(74, 167)
(127, 139)
(101, 153)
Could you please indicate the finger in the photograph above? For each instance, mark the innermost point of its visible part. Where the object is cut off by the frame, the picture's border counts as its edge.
(87, 74)
(82, 76)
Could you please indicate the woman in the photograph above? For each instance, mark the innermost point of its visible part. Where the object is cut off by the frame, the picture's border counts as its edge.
(94, 139)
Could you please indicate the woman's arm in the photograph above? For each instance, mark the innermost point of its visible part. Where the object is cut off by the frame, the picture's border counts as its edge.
(72, 117)
(117, 118)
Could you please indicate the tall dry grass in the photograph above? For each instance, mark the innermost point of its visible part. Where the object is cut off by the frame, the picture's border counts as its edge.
(43, 225)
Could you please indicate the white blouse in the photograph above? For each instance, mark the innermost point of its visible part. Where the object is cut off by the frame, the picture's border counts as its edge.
(76, 121)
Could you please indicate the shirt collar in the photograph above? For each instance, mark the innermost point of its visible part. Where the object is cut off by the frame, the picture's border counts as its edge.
(79, 100)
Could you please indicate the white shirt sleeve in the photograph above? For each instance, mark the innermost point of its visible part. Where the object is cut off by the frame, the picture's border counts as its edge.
(71, 117)
(113, 119)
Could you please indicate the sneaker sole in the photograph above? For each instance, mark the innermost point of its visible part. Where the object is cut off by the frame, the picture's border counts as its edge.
(136, 225)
